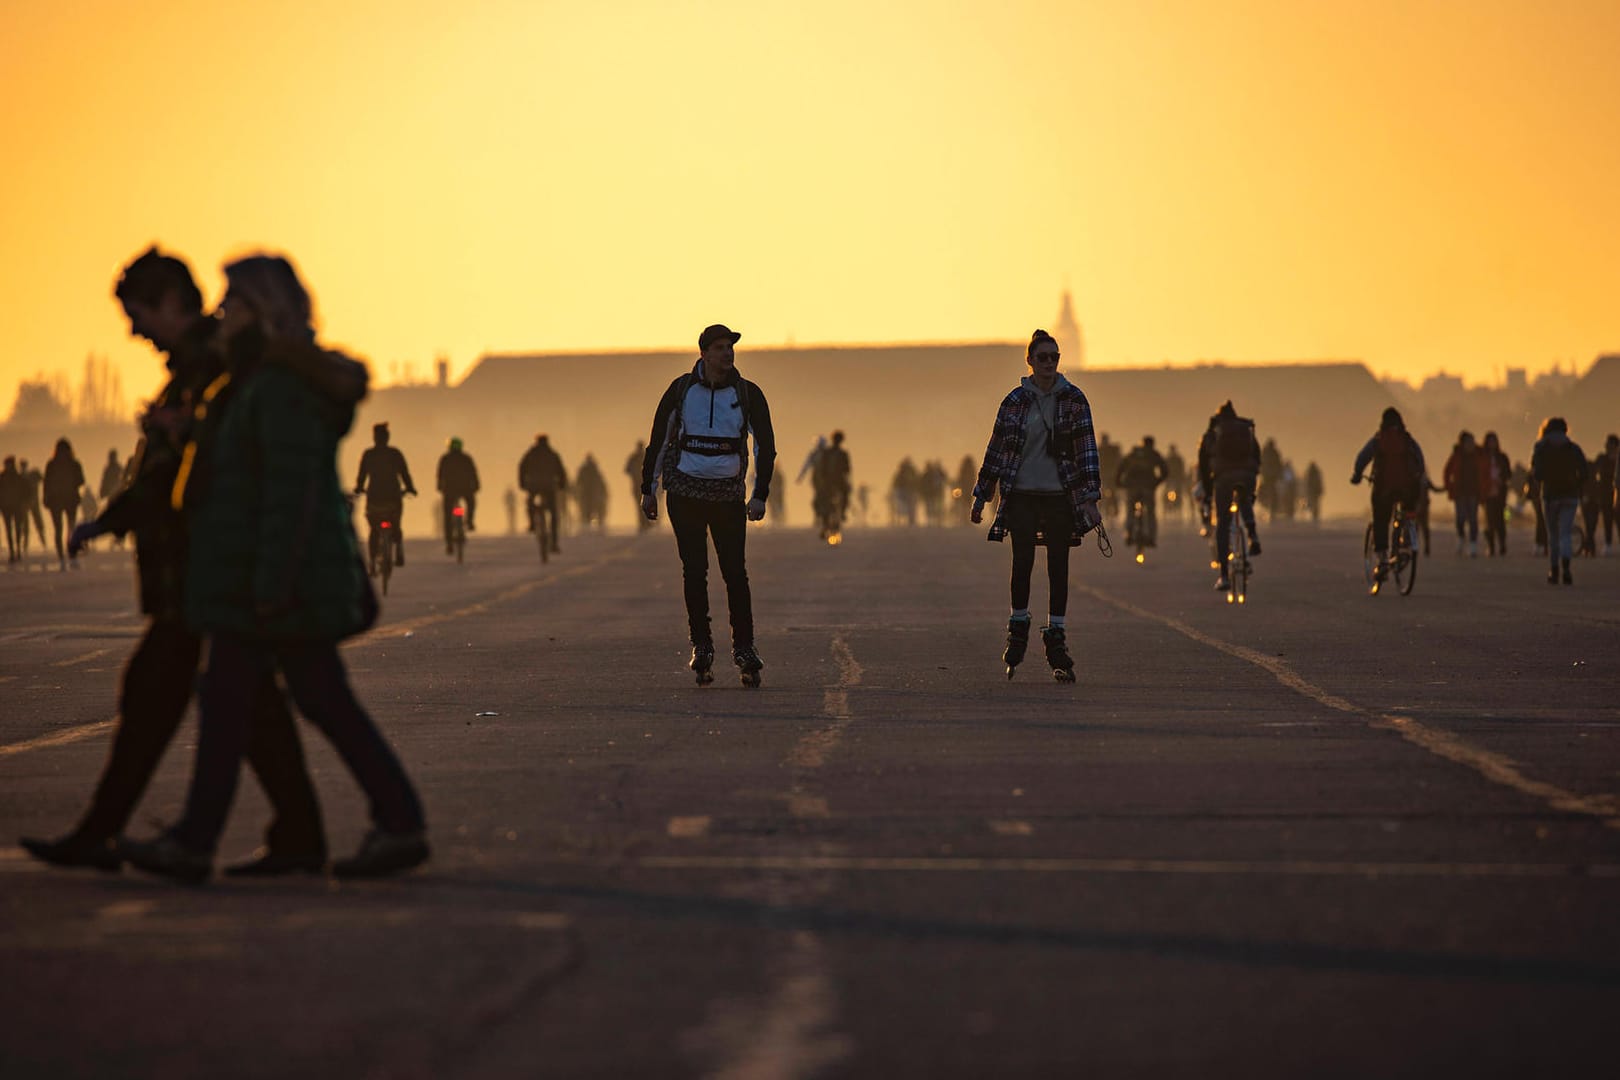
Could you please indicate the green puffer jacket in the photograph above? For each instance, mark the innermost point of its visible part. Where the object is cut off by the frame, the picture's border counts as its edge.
(273, 555)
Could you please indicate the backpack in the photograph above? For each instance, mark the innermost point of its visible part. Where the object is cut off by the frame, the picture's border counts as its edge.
(1394, 464)
(1234, 444)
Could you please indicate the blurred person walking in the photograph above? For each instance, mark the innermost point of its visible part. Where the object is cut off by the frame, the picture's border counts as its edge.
(112, 482)
(14, 509)
(1043, 458)
(64, 478)
(36, 482)
(1498, 477)
(1465, 480)
(280, 581)
(632, 469)
(1559, 467)
(1314, 488)
(699, 450)
(591, 492)
(164, 307)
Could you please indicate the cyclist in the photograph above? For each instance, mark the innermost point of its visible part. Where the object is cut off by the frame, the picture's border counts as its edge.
(384, 479)
(1397, 479)
(543, 478)
(458, 482)
(1228, 461)
(1140, 474)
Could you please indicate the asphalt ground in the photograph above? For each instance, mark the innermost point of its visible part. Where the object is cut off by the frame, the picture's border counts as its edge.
(1319, 833)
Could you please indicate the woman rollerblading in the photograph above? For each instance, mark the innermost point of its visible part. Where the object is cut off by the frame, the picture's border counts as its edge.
(748, 663)
(703, 662)
(1057, 653)
(1043, 459)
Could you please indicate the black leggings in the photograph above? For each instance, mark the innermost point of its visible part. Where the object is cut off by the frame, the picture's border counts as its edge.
(57, 514)
(694, 521)
(1052, 517)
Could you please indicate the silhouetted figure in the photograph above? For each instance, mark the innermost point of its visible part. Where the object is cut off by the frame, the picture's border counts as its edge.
(863, 498)
(1594, 493)
(544, 479)
(1271, 468)
(1465, 482)
(632, 469)
(1109, 455)
(384, 478)
(164, 307)
(699, 449)
(904, 492)
(591, 492)
(509, 501)
(1313, 492)
(64, 478)
(112, 481)
(457, 483)
(1228, 468)
(36, 484)
(14, 509)
(831, 482)
(967, 475)
(931, 484)
(1175, 482)
(1532, 494)
(1139, 474)
(1042, 457)
(279, 582)
(1560, 467)
(1398, 478)
(1498, 476)
(1607, 467)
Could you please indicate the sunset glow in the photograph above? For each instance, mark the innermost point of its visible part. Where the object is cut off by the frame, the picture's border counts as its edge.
(1418, 185)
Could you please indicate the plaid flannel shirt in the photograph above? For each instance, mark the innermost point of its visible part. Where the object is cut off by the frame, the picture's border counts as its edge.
(1078, 466)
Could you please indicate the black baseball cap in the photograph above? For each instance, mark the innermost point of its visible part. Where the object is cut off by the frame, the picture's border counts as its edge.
(712, 334)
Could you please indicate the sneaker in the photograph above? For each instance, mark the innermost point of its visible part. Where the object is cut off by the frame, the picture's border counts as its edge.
(1223, 584)
(1254, 546)
(75, 851)
(267, 863)
(382, 854)
(167, 857)
(1552, 576)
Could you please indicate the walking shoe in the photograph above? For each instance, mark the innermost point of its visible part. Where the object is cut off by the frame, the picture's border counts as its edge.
(75, 851)
(1223, 584)
(1552, 576)
(1254, 546)
(267, 863)
(167, 857)
(382, 854)
(1567, 579)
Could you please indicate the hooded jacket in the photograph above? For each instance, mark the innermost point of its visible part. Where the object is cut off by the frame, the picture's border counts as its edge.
(273, 556)
(699, 439)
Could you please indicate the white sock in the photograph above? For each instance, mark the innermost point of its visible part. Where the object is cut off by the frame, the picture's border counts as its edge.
(1021, 614)
(1055, 620)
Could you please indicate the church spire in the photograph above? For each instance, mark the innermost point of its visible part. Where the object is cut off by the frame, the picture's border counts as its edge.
(1069, 337)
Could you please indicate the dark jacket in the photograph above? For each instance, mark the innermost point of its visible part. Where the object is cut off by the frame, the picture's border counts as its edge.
(1466, 475)
(143, 505)
(1396, 460)
(458, 475)
(542, 470)
(667, 430)
(64, 477)
(1228, 448)
(13, 491)
(384, 476)
(1559, 466)
(273, 555)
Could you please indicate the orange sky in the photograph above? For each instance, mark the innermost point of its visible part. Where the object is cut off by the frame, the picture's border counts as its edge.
(1418, 184)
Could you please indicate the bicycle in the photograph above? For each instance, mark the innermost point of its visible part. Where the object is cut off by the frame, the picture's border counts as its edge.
(1238, 567)
(1136, 529)
(458, 531)
(542, 515)
(385, 546)
(1402, 557)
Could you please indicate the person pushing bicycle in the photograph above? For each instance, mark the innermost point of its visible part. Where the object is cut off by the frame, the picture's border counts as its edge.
(1397, 479)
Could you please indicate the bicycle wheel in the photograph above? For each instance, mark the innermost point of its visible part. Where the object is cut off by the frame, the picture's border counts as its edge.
(545, 542)
(1237, 561)
(1369, 557)
(385, 569)
(1406, 565)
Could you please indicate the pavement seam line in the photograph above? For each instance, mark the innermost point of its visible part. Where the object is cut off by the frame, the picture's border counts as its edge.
(812, 750)
(86, 731)
(1497, 768)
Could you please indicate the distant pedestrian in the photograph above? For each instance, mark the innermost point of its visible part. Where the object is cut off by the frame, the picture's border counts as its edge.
(112, 482)
(1559, 466)
(1314, 487)
(36, 483)
(1043, 458)
(632, 469)
(1465, 482)
(699, 449)
(1498, 478)
(14, 509)
(280, 580)
(64, 480)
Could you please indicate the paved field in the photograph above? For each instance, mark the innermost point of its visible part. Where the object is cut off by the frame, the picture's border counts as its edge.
(1319, 834)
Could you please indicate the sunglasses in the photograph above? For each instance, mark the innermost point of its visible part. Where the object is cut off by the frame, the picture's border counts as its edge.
(1046, 356)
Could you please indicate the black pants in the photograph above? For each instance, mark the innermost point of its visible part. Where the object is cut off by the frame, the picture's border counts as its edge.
(1384, 501)
(1226, 487)
(450, 502)
(1032, 519)
(16, 534)
(320, 688)
(71, 513)
(1496, 523)
(157, 688)
(694, 521)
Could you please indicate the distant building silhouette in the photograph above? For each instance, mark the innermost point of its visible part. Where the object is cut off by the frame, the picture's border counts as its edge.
(1071, 342)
